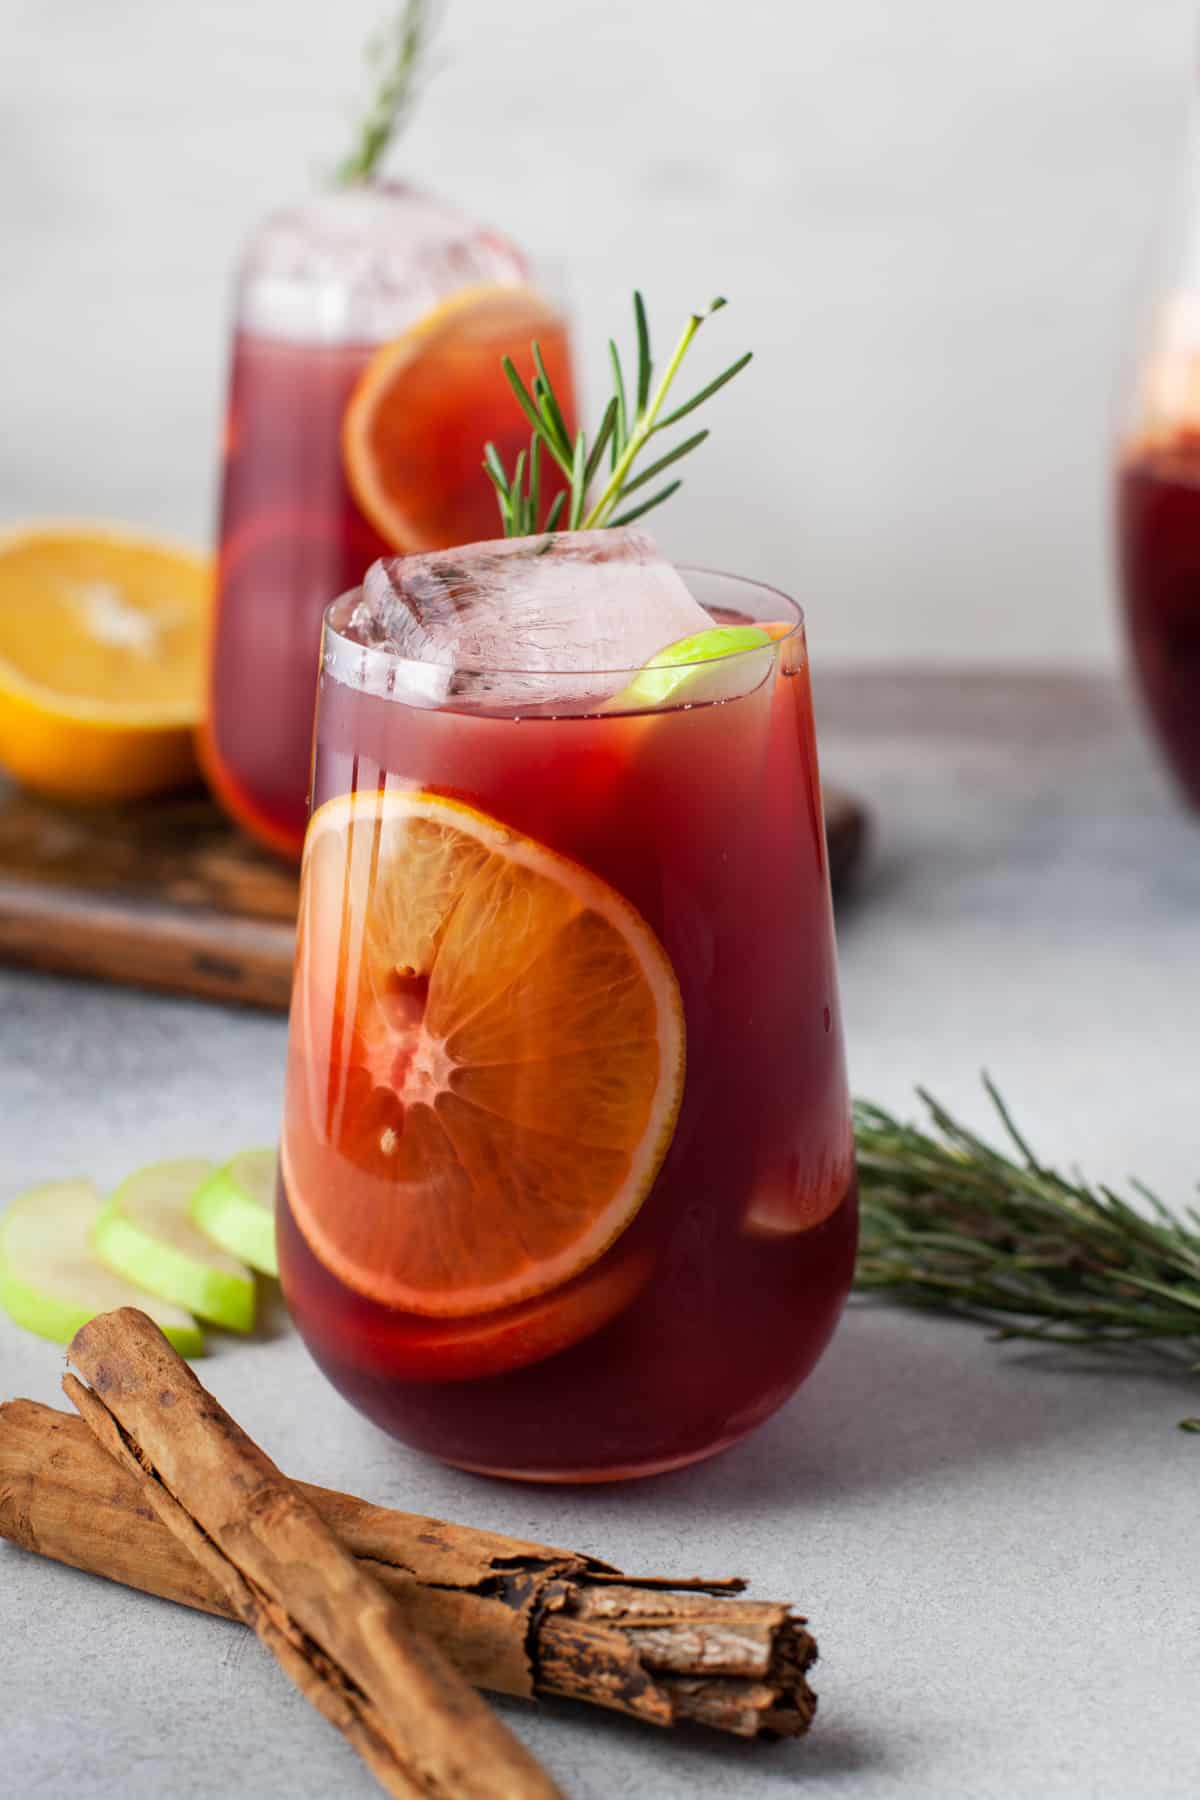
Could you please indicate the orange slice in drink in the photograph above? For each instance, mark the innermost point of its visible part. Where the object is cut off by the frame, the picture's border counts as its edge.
(408, 1348)
(487, 1060)
(790, 1199)
(428, 401)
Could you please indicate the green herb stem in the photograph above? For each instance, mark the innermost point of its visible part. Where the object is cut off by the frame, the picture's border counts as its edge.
(953, 1224)
(398, 55)
(644, 426)
(623, 439)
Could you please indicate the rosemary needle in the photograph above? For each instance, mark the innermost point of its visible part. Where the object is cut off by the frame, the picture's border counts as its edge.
(955, 1224)
(622, 436)
(398, 55)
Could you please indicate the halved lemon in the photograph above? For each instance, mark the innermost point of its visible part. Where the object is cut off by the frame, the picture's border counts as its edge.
(487, 1057)
(102, 637)
(428, 401)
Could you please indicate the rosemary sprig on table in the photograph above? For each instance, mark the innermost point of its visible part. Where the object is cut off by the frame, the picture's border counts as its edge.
(953, 1224)
(396, 55)
(629, 422)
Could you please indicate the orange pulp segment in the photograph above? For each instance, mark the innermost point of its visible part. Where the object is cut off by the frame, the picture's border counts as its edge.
(101, 660)
(428, 401)
(488, 1054)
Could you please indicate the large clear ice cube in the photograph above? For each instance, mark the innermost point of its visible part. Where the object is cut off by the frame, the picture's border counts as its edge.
(532, 620)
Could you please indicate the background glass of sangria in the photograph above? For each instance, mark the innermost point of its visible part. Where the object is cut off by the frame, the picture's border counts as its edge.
(1158, 490)
(1158, 523)
(369, 329)
(567, 1179)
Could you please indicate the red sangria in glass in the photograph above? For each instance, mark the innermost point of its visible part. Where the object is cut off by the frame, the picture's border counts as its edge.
(1158, 521)
(1158, 489)
(369, 330)
(567, 1176)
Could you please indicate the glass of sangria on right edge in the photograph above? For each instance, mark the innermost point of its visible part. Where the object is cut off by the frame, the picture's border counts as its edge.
(567, 1169)
(1158, 529)
(1157, 489)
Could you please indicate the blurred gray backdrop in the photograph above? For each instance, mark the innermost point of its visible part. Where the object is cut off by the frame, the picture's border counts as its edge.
(930, 214)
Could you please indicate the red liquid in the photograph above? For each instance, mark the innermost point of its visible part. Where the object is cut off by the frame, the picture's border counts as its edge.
(714, 1304)
(293, 538)
(1159, 526)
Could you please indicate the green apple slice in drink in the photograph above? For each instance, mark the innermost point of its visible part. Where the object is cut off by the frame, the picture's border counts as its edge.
(235, 1207)
(145, 1232)
(51, 1283)
(689, 672)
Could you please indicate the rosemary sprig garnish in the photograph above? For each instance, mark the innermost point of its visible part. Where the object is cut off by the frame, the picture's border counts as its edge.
(620, 439)
(954, 1224)
(396, 55)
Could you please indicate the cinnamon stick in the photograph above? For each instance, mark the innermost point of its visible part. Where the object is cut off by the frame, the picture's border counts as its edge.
(514, 1617)
(333, 1628)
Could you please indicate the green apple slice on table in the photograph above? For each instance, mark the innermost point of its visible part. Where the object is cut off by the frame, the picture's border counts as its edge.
(682, 674)
(52, 1284)
(235, 1207)
(145, 1232)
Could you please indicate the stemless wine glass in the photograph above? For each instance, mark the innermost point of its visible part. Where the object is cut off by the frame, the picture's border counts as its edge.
(567, 1176)
(369, 329)
(1158, 492)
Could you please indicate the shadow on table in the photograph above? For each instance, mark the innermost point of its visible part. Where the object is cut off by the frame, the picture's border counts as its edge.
(274, 1320)
(901, 1397)
(707, 1762)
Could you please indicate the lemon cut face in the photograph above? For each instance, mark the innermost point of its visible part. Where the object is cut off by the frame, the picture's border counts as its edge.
(102, 650)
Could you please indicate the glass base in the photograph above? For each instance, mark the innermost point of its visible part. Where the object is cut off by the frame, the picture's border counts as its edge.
(593, 1477)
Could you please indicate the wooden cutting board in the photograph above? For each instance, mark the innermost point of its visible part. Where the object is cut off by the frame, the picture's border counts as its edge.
(168, 895)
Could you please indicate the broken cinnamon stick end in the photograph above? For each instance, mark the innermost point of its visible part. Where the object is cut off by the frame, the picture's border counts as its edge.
(687, 1584)
(512, 1616)
(336, 1632)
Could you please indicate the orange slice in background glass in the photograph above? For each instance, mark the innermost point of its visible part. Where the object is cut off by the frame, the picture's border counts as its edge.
(487, 1057)
(428, 401)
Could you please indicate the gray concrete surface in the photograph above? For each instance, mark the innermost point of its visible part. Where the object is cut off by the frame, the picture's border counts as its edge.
(996, 1548)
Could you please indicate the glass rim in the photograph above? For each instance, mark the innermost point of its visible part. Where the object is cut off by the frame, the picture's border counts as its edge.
(393, 659)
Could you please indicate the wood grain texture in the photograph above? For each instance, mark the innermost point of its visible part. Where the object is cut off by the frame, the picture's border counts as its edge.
(179, 851)
(169, 896)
